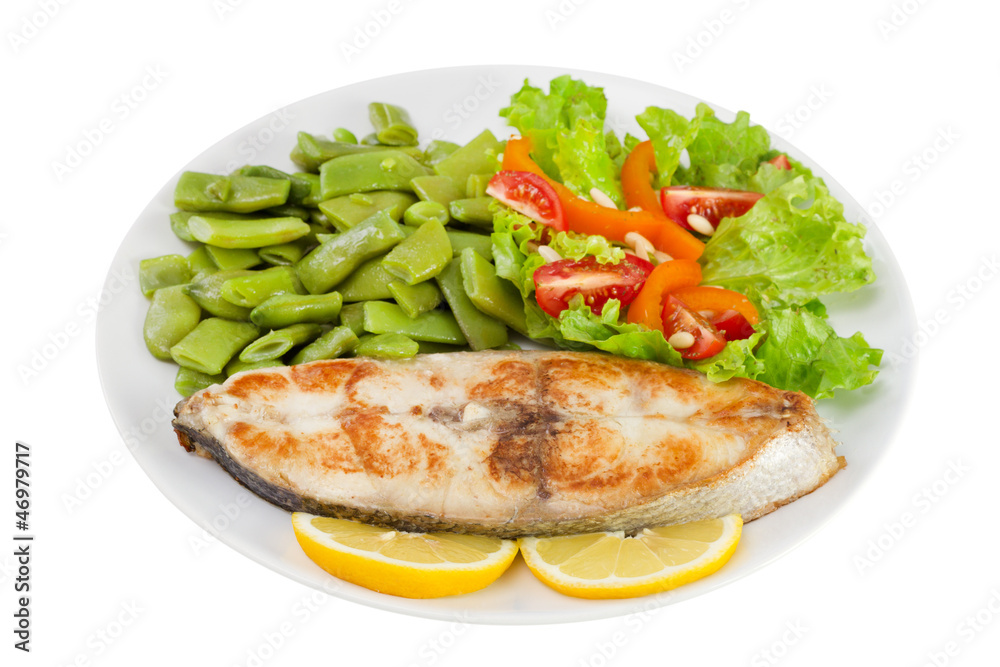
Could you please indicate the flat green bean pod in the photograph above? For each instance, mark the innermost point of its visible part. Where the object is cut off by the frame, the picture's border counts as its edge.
(246, 233)
(285, 310)
(189, 381)
(211, 344)
(164, 271)
(277, 343)
(197, 191)
(334, 343)
(392, 124)
(171, 316)
(252, 290)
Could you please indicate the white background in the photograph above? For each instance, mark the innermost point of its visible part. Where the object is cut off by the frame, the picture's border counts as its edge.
(884, 80)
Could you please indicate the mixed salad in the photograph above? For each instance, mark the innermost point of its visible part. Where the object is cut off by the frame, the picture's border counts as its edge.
(698, 246)
(725, 254)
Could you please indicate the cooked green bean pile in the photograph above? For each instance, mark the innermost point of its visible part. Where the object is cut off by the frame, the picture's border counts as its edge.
(378, 248)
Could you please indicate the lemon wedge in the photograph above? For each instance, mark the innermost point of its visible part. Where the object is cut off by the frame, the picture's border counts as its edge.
(411, 565)
(611, 565)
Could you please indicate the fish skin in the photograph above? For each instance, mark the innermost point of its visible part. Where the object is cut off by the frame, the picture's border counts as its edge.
(508, 444)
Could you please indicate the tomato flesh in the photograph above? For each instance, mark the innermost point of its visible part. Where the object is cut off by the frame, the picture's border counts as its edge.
(677, 317)
(713, 204)
(556, 283)
(732, 325)
(530, 195)
(781, 162)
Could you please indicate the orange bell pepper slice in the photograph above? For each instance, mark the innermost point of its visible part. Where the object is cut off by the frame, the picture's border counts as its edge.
(636, 171)
(666, 278)
(717, 299)
(591, 218)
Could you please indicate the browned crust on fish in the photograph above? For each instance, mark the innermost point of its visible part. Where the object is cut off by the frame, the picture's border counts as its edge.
(510, 443)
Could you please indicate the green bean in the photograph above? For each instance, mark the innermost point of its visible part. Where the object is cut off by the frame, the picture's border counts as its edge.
(347, 211)
(283, 310)
(163, 271)
(415, 299)
(392, 124)
(438, 150)
(196, 191)
(387, 346)
(189, 381)
(479, 156)
(275, 344)
(475, 185)
(171, 316)
(207, 292)
(329, 263)
(481, 330)
(436, 326)
(481, 243)
(332, 344)
(201, 263)
(288, 211)
(364, 172)
(421, 256)
(473, 211)
(315, 194)
(211, 344)
(353, 315)
(490, 293)
(283, 254)
(440, 189)
(344, 135)
(370, 139)
(233, 258)
(246, 233)
(425, 211)
(313, 151)
(179, 221)
(252, 290)
(236, 366)
(368, 282)
(323, 238)
(299, 188)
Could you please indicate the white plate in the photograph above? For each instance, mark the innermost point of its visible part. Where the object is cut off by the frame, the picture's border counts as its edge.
(456, 104)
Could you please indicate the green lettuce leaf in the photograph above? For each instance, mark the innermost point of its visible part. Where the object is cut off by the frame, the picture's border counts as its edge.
(670, 133)
(566, 128)
(804, 353)
(794, 239)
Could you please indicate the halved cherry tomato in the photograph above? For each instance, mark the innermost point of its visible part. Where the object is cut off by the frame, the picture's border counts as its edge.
(732, 325)
(530, 195)
(713, 204)
(558, 282)
(666, 277)
(678, 317)
(717, 300)
(781, 161)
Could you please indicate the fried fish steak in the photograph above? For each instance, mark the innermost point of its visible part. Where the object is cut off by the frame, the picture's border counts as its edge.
(510, 443)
